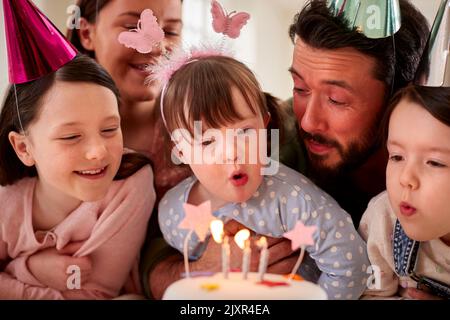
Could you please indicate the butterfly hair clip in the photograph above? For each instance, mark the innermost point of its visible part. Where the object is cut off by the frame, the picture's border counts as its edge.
(147, 35)
(229, 24)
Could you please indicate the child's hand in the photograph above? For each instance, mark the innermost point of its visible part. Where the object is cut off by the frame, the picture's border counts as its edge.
(49, 266)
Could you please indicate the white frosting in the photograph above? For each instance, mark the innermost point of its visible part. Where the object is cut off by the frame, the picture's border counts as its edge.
(236, 288)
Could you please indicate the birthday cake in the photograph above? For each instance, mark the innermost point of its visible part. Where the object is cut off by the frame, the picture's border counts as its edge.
(216, 287)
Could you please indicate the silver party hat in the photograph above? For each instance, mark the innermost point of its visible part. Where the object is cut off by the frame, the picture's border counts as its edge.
(374, 18)
(434, 69)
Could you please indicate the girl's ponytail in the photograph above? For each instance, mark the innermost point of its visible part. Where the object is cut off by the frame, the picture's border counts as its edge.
(276, 115)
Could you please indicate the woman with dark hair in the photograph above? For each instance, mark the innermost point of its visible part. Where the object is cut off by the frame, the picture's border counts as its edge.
(68, 189)
(101, 23)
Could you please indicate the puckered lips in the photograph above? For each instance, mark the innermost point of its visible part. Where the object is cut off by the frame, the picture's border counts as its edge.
(239, 178)
(406, 209)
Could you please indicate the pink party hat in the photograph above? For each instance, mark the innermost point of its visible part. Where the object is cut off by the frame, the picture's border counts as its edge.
(35, 46)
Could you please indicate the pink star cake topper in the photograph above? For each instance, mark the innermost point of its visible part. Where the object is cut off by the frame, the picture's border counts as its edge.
(197, 218)
(301, 235)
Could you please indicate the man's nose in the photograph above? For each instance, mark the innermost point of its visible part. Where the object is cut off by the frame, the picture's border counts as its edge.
(314, 116)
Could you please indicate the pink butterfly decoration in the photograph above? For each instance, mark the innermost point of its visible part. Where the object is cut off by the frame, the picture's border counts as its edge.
(146, 36)
(230, 24)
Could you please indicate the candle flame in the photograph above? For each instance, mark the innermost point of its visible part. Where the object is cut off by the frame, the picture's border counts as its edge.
(262, 242)
(217, 230)
(241, 236)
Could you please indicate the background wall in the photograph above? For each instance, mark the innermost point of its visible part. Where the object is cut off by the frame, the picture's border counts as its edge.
(264, 44)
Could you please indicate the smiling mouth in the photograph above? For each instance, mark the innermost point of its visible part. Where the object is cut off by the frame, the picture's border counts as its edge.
(140, 67)
(94, 173)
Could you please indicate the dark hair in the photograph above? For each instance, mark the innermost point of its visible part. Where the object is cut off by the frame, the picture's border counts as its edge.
(88, 10)
(30, 96)
(436, 100)
(205, 86)
(395, 64)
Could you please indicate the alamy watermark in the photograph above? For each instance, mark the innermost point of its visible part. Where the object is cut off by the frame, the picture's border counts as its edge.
(374, 20)
(74, 279)
(236, 146)
(73, 21)
(374, 280)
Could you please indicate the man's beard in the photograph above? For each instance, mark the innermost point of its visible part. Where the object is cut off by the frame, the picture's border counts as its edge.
(351, 158)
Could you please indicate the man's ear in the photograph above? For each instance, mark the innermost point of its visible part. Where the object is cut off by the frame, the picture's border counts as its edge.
(86, 33)
(266, 119)
(22, 147)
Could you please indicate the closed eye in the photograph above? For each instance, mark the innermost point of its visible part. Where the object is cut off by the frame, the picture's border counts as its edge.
(110, 131)
(395, 158)
(300, 91)
(243, 130)
(130, 26)
(71, 137)
(171, 33)
(436, 164)
(335, 102)
(208, 142)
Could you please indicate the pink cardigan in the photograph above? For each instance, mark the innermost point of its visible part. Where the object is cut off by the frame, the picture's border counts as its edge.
(113, 230)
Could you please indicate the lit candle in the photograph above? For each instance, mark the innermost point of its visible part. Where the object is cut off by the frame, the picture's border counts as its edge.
(246, 259)
(225, 257)
(263, 259)
(241, 239)
(216, 227)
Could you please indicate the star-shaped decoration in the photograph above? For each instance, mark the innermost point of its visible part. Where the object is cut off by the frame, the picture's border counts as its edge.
(294, 277)
(197, 218)
(210, 286)
(301, 235)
